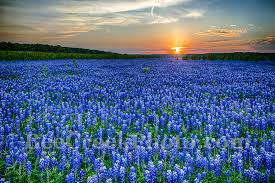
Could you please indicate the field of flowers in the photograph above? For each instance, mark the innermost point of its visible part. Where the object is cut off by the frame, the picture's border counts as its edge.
(154, 120)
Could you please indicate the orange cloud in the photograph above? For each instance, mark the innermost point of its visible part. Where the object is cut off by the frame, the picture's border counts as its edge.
(225, 32)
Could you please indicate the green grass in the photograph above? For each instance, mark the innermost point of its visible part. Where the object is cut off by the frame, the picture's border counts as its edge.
(146, 69)
(26, 55)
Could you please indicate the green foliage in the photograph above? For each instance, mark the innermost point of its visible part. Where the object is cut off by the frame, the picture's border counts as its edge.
(75, 64)
(45, 71)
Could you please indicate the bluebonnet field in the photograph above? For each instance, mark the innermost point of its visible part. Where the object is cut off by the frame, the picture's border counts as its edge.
(157, 120)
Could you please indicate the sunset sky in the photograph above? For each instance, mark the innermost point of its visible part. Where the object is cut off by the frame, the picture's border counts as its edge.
(142, 26)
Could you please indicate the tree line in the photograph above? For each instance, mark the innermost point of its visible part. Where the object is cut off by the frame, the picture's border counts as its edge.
(8, 46)
(17, 51)
(246, 56)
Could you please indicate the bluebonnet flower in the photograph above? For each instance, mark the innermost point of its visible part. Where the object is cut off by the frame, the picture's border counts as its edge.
(217, 166)
(147, 177)
(169, 176)
(186, 115)
(240, 166)
(122, 174)
(97, 164)
(181, 175)
(224, 155)
(132, 175)
(29, 167)
(202, 162)
(92, 179)
(81, 175)
(37, 150)
(109, 180)
(8, 161)
(228, 173)
(53, 162)
(62, 163)
(175, 176)
(76, 160)
(70, 178)
(21, 158)
(42, 164)
(152, 171)
(116, 171)
(160, 166)
(102, 172)
(268, 160)
(197, 180)
(257, 162)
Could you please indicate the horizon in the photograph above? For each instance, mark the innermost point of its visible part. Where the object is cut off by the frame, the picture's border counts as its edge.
(142, 26)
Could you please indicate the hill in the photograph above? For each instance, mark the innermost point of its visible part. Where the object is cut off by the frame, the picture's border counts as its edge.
(7, 46)
(18, 51)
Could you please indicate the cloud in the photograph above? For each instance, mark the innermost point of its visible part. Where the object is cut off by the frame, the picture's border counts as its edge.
(264, 44)
(220, 40)
(136, 12)
(224, 32)
(15, 28)
(195, 14)
(162, 20)
(116, 6)
(69, 18)
(116, 19)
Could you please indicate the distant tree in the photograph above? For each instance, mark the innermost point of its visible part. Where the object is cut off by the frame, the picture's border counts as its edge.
(233, 56)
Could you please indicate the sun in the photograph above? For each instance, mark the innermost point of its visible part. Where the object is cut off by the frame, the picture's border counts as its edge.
(177, 50)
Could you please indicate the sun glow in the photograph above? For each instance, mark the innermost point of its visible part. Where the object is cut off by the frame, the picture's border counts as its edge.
(177, 50)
